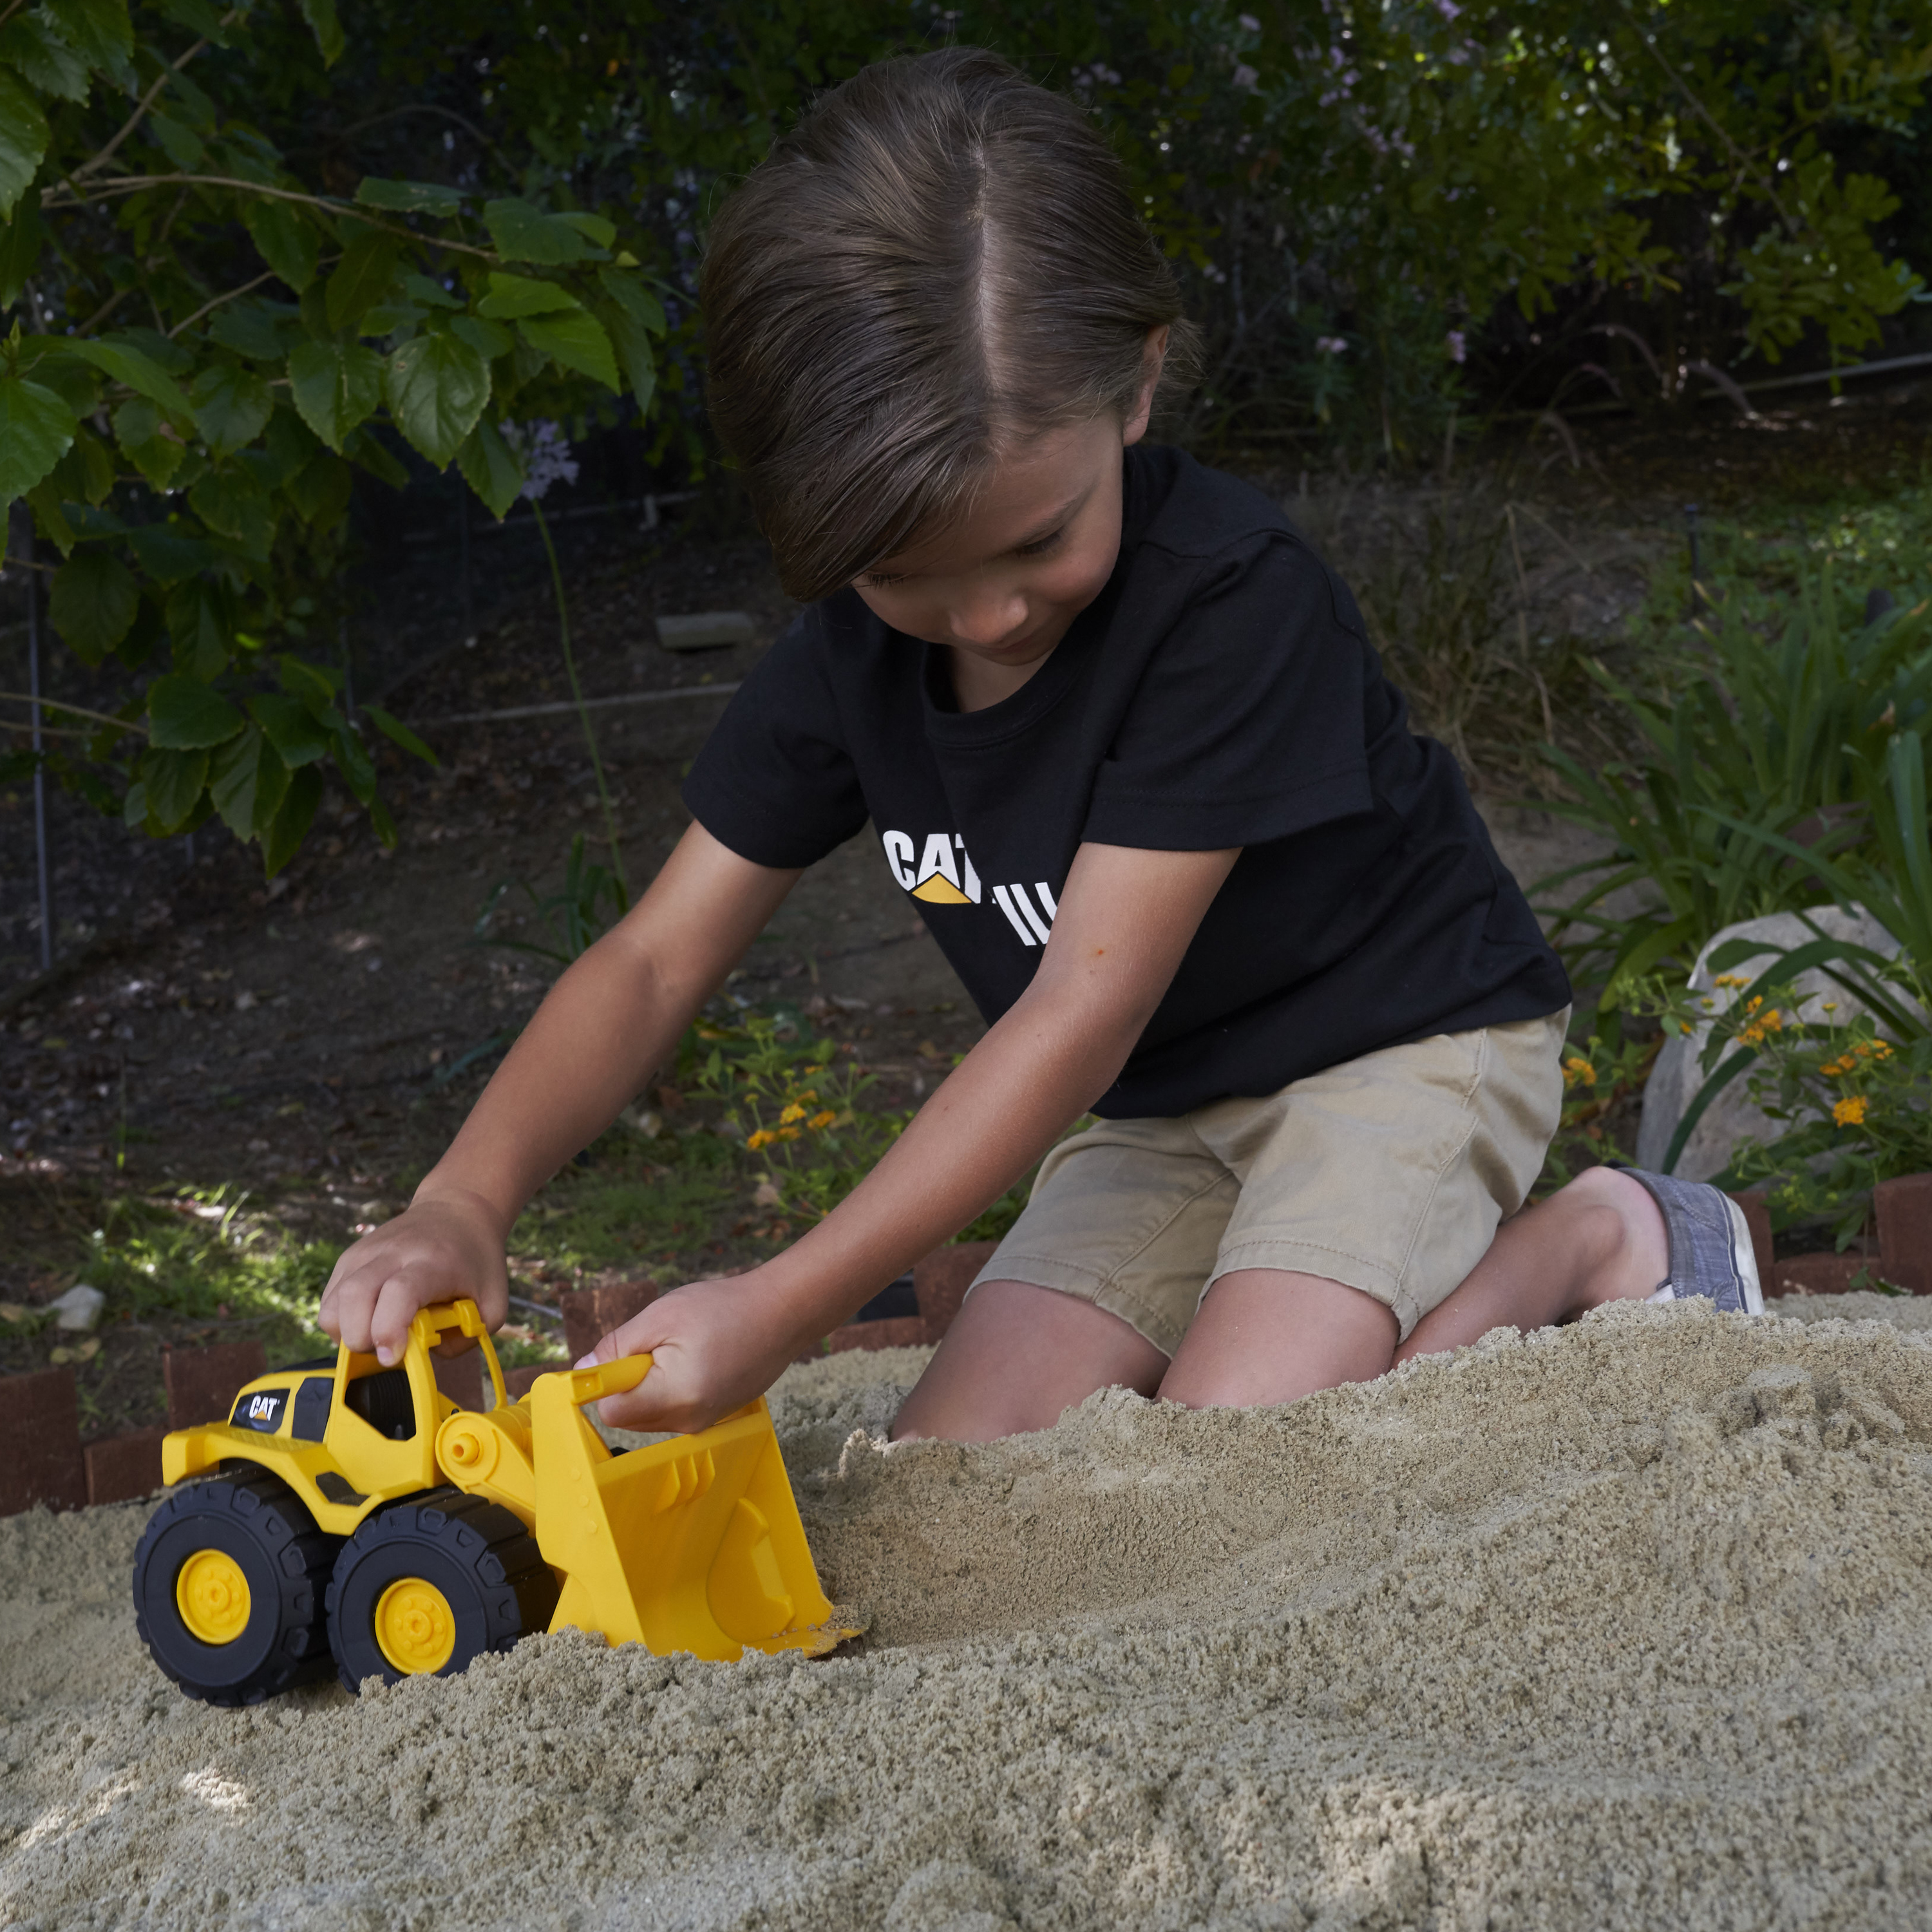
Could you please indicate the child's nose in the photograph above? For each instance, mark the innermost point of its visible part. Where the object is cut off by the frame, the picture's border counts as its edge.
(989, 618)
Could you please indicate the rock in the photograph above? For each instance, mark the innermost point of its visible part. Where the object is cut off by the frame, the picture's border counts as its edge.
(79, 1309)
(705, 630)
(1677, 1076)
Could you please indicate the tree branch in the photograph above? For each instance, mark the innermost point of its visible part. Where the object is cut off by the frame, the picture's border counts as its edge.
(72, 711)
(134, 120)
(267, 275)
(51, 202)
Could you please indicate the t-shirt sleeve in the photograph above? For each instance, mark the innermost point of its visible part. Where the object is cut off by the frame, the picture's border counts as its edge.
(1250, 722)
(776, 781)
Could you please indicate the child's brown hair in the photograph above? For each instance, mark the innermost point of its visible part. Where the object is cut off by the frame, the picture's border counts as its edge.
(941, 258)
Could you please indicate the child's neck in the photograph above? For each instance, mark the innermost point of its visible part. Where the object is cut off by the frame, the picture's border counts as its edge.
(978, 683)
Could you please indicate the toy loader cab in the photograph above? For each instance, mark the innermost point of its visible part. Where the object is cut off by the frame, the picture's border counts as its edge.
(355, 1515)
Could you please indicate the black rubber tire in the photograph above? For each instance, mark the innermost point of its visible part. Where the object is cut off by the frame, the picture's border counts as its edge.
(259, 1521)
(486, 1564)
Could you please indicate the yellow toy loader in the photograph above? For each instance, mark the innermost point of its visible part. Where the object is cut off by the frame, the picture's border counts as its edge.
(358, 1514)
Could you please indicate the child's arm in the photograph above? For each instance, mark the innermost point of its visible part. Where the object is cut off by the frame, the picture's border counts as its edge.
(607, 1025)
(1124, 922)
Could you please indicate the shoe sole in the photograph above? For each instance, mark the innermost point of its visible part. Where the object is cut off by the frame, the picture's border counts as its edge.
(1743, 1259)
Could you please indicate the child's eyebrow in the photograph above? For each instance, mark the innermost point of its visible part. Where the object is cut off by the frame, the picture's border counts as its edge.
(1045, 529)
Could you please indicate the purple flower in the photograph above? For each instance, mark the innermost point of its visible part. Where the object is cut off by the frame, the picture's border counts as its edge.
(540, 447)
(1330, 345)
(1459, 346)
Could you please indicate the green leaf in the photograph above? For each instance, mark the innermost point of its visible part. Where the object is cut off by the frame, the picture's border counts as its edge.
(600, 231)
(184, 714)
(314, 686)
(489, 339)
(285, 238)
(85, 474)
(45, 61)
(353, 761)
(36, 428)
(201, 20)
(632, 342)
(523, 232)
(126, 364)
(231, 405)
(93, 602)
(138, 431)
(576, 341)
(320, 490)
(366, 274)
(366, 451)
(179, 143)
(167, 554)
(421, 289)
(336, 386)
(511, 296)
(247, 782)
(20, 243)
(633, 298)
(134, 807)
(291, 726)
(437, 385)
(50, 517)
(283, 838)
(99, 31)
(23, 141)
(490, 468)
(201, 621)
(172, 782)
(320, 15)
(408, 197)
(254, 329)
(230, 502)
(398, 733)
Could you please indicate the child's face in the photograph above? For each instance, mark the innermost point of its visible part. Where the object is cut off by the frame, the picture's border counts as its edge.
(1002, 584)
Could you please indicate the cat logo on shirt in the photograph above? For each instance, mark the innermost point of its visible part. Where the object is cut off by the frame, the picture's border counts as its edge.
(944, 874)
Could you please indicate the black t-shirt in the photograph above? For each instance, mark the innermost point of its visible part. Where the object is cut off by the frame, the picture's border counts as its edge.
(1220, 692)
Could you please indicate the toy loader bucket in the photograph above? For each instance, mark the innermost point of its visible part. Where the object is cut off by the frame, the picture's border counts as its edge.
(691, 1544)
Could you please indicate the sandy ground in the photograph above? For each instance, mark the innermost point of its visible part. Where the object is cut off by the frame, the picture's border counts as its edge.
(1626, 1625)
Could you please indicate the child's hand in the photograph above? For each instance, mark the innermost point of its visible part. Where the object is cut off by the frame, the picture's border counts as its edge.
(439, 1250)
(713, 1345)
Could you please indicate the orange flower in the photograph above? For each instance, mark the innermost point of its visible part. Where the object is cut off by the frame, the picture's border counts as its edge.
(820, 1121)
(1848, 1113)
(763, 1138)
(1577, 1069)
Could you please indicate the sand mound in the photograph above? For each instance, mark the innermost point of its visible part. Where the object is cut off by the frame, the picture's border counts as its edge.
(1626, 1625)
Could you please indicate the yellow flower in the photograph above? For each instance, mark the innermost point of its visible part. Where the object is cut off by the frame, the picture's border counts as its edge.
(793, 1112)
(1881, 1050)
(1577, 1070)
(1731, 980)
(763, 1138)
(786, 1134)
(821, 1120)
(1850, 1113)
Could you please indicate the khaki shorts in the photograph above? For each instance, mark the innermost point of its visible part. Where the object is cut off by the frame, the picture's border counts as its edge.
(1390, 1173)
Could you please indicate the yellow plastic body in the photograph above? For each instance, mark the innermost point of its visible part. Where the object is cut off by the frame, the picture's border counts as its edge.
(212, 1595)
(691, 1544)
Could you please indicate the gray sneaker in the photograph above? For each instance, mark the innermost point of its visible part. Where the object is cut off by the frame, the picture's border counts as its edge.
(1710, 1244)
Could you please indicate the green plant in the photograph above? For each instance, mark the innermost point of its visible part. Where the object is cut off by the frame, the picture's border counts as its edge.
(572, 917)
(1745, 745)
(202, 347)
(798, 1106)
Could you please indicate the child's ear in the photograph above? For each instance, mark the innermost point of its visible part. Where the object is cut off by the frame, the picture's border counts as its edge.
(1152, 358)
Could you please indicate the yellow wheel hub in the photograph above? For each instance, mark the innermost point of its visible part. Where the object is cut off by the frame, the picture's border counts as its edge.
(415, 1628)
(212, 1595)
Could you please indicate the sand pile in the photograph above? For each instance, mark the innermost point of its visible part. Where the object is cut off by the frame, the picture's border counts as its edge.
(1628, 1625)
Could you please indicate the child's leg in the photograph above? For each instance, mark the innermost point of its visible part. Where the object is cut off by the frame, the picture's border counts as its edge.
(1266, 1335)
(1016, 1357)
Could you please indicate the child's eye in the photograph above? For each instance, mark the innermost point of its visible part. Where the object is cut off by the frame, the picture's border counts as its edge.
(1041, 546)
(877, 580)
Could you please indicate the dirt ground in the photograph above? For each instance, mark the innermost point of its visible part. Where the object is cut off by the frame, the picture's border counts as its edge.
(315, 1040)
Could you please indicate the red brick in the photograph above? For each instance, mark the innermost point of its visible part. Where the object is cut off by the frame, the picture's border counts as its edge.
(120, 1468)
(517, 1381)
(1817, 1274)
(460, 1377)
(203, 1383)
(40, 1442)
(1905, 1230)
(896, 1331)
(940, 1281)
(1757, 1215)
(589, 1314)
